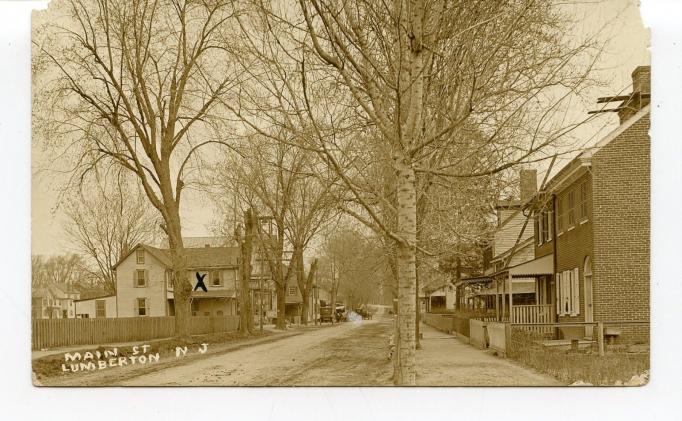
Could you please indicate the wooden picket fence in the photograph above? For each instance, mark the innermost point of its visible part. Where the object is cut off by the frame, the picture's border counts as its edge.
(52, 333)
(534, 314)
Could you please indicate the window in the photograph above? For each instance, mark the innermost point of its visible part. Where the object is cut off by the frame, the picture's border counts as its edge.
(560, 215)
(219, 313)
(140, 278)
(545, 227)
(550, 225)
(207, 313)
(141, 308)
(100, 308)
(292, 290)
(571, 208)
(583, 201)
(538, 228)
(139, 254)
(568, 293)
(215, 279)
(544, 224)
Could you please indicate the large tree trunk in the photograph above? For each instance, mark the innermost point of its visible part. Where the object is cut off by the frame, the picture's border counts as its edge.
(302, 287)
(305, 307)
(281, 305)
(305, 284)
(246, 312)
(405, 373)
(182, 287)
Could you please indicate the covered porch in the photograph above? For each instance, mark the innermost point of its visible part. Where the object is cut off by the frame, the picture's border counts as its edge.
(523, 293)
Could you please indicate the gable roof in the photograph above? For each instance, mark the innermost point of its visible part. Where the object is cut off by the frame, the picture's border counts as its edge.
(54, 290)
(210, 257)
(41, 292)
(197, 258)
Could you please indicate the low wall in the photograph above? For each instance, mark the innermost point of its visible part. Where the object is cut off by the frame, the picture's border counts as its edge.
(442, 322)
(497, 336)
(477, 333)
(461, 326)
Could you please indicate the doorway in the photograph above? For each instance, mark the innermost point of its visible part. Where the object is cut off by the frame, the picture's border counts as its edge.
(589, 305)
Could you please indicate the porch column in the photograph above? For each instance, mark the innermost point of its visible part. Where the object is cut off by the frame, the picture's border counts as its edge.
(511, 297)
(497, 301)
(504, 297)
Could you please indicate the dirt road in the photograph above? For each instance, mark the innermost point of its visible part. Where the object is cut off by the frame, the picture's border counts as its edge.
(349, 354)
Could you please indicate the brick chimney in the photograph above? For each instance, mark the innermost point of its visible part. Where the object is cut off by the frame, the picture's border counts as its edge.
(641, 84)
(528, 183)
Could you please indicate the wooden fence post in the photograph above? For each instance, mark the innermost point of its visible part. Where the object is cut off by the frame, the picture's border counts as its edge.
(507, 338)
(600, 338)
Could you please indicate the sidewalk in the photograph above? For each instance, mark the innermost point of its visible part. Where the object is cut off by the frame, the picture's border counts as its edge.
(443, 360)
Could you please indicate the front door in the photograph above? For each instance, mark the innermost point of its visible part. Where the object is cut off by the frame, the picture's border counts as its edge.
(589, 308)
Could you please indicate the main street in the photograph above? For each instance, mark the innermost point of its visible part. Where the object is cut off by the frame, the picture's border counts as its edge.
(347, 354)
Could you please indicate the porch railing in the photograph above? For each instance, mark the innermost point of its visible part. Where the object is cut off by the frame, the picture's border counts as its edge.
(534, 314)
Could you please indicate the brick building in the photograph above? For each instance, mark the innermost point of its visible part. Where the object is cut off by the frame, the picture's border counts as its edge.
(593, 217)
(588, 256)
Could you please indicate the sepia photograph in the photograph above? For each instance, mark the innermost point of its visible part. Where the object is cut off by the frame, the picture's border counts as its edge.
(340, 193)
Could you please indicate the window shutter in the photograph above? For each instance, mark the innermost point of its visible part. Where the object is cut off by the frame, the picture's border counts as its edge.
(550, 224)
(146, 307)
(134, 278)
(576, 291)
(137, 309)
(566, 292)
(538, 228)
(557, 287)
(146, 277)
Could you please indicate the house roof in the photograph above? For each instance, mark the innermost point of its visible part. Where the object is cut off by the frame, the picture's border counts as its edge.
(541, 266)
(99, 297)
(197, 258)
(54, 290)
(212, 257)
(583, 159)
(40, 292)
(198, 242)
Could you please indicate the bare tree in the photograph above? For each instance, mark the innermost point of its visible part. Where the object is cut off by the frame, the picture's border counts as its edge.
(107, 218)
(59, 269)
(305, 285)
(278, 180)
(137, 83)
(372, 85)
(262, 177)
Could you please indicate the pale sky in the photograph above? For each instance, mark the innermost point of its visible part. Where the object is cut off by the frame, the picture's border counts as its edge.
(627, 49)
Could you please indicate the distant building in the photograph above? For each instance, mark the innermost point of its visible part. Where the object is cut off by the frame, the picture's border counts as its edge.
(54, 301)
(144, 287)
(96, 307)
